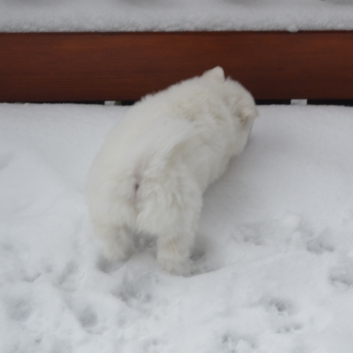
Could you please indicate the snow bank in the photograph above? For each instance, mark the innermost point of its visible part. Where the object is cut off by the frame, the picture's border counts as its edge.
(274, 254)
(179, 15)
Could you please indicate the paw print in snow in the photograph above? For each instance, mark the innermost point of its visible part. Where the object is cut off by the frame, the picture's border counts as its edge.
(281, 314)
(322, 243)
(233, 344)
(342, 276)
(18, 309)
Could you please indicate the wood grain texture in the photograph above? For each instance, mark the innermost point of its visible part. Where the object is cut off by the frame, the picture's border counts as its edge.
(59, 67)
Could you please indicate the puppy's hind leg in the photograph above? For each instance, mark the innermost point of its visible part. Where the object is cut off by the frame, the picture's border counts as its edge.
(174, 253)
(117, 241)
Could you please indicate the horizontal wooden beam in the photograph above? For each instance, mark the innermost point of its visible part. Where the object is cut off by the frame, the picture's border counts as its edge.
(56, 67)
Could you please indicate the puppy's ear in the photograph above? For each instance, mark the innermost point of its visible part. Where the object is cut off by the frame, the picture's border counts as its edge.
(217, 74)
(246, 106)
(247, 111)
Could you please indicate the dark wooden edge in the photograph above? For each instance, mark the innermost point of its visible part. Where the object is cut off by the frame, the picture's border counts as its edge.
(66, 67)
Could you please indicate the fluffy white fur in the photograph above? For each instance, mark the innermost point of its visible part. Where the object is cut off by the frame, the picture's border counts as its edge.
(151, 172)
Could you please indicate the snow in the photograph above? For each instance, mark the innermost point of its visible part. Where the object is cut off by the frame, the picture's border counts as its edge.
(273, 258)
(176, 15)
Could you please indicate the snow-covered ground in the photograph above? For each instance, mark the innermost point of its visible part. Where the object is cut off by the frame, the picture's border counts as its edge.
(174, 15)
(274, 254)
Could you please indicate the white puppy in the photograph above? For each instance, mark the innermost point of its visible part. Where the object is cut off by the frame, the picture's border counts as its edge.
(151, 172)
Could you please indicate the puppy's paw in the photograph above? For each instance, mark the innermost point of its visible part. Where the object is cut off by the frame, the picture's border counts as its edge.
(116, 242)
(114, 250)
(179, 268)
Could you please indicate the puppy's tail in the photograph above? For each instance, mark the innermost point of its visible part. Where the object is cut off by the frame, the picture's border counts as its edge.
(159, 142)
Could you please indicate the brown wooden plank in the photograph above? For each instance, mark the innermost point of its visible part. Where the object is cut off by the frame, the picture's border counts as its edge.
(52, 67)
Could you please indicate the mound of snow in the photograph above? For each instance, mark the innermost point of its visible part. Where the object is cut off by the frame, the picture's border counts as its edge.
(177, 15)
